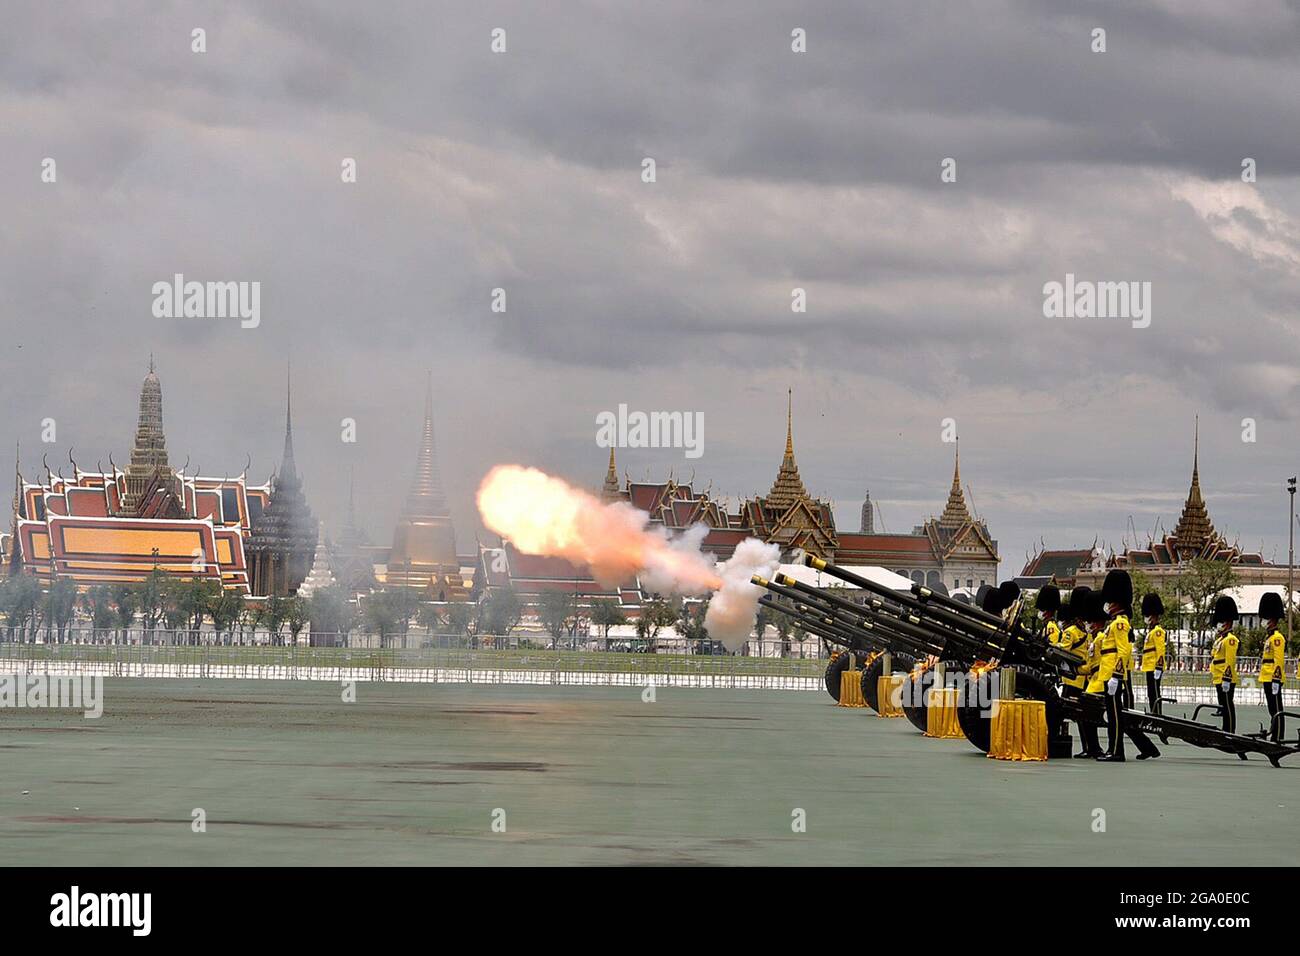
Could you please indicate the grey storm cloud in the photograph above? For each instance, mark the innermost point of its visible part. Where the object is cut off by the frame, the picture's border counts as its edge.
(775, 170)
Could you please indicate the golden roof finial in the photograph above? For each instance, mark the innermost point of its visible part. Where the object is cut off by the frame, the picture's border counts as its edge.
(789, 422)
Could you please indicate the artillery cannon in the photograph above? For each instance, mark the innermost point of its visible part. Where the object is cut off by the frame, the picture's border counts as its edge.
(924, 627)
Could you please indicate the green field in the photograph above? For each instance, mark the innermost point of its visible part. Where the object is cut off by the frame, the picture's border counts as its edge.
(411, 774)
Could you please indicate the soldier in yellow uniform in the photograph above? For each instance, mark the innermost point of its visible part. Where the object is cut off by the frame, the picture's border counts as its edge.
(1078, 638)
(1153, 648)
(1272, 667)
(1223, 661)
(1047, 604)
(1115, 652)
(1075, 638)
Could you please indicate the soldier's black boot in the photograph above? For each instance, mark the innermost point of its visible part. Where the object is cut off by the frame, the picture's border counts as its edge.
(1115, 752)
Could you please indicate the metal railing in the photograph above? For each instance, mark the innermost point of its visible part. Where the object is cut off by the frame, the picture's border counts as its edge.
(763, 668)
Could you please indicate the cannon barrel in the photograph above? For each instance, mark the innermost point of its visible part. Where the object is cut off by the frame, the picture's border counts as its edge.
(973, 633)
(933, 630)
(822, 627)
(905, 635)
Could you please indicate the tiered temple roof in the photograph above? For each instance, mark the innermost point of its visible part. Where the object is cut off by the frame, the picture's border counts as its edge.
(788, 487)
(955, 513)
(283, 539)
(1194, 530)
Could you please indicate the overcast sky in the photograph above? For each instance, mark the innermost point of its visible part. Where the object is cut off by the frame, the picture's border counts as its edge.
(775, 170)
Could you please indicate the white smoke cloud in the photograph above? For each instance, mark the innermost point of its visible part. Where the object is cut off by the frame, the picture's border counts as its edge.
(731, 612)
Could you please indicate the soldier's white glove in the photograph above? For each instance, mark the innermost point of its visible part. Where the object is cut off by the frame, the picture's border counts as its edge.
(1159, 673)
(1112, 685)
(1227, 686)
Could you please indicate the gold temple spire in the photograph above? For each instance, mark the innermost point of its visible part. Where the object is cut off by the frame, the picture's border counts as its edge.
(955, 513)
(788, 487)
(610, 488)
(149, 452)
(1194, 528)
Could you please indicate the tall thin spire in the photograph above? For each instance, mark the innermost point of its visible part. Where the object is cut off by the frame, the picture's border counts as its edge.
(15, 559)
(955, 513)
(1194, 528)
(788, 487)
(288, 467)
(789, 423)
(426, 498)
(1196, 452)
(352, 506)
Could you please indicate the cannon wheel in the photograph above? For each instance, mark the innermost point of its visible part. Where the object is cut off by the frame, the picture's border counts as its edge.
(903, 663)
(839, 661)
(914, 703)
(1028, 687)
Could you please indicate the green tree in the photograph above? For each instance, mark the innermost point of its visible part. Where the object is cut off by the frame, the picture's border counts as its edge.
(606, 613)
(152, 599)
(381, 615)
(197, 600)
(429, 617)
(502, 611)
(277, 612)
(655, 615)
(123, 599)
(227, 609)
(1199, 585)
(553, 611)
(327, 610)
(406, 604)
(61, 605)
(99, 603)
(174, 613)
(254, 618)
(22, 606)
(690, 622)
(296, 615)
(460, 619)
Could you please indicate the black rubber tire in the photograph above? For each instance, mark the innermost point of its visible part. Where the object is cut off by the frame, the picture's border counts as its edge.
(914, 703)
(838, 663)
(902, 664)
(1029, 686)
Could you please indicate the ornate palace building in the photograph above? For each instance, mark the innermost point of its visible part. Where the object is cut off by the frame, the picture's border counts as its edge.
(1161, 560)
(112, 525)
(955, 548)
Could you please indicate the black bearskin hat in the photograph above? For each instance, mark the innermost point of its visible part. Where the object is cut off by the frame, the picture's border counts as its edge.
(1117, 589)
(1049, 598)
(1096, 608)
(987, 599)
(1225, 610)
(1077, 609)
(1152, 605)
(1270, 607)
